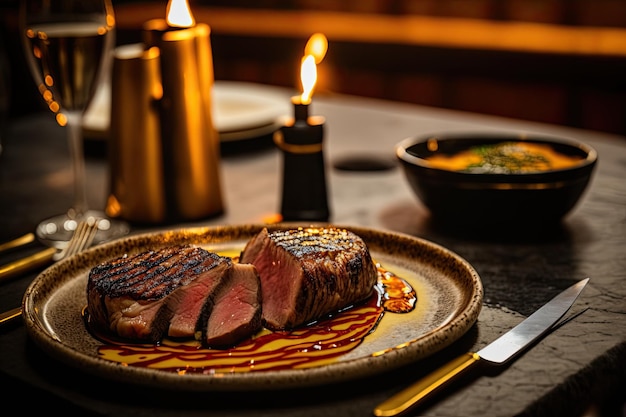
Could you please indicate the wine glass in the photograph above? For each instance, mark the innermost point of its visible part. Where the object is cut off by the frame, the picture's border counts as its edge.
(68, 44)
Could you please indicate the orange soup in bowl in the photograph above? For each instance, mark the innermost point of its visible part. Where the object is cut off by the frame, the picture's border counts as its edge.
(505, 158)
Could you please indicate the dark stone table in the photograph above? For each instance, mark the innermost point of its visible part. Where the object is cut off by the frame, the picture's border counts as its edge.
(579, 368)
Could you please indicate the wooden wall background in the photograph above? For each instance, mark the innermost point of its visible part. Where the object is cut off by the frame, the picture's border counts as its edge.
(554, 61)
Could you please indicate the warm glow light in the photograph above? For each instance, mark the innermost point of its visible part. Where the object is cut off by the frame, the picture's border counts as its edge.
(54, 108)
(61, 119)
(47, 95)
(308, 77)
(317, 46)
(179, 14)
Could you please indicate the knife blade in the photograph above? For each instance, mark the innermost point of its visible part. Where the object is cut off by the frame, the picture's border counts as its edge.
(498, 352)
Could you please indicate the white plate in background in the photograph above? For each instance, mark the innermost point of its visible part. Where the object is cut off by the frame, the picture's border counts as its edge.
(241, 110)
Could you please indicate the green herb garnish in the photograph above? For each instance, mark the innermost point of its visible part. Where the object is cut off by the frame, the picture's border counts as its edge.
(507, 158)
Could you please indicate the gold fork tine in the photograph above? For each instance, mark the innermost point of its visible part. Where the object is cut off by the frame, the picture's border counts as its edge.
(73, 243)
(93, 231)
(81, 239)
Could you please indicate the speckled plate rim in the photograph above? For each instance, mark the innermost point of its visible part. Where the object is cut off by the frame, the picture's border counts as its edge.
(444, 268)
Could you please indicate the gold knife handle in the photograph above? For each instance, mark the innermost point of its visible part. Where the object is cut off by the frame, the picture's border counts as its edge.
(432, 382)
(26, 264)
(9, 316)
(20, 241)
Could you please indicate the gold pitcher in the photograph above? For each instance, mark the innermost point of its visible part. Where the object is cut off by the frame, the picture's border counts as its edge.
(163, 149)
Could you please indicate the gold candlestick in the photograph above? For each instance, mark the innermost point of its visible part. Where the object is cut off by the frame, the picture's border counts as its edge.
(135, 151)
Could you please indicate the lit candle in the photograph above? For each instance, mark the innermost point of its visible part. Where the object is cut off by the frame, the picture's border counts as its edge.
(317, 45)
(308, 77)
(314, 53)
(304, 194)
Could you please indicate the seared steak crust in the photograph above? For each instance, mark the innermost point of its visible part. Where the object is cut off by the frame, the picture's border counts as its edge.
(284, 279)
(309, 273)
(151, 275)
(175, 291)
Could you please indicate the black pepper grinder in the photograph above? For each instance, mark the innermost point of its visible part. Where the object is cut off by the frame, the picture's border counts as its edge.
(304, 194)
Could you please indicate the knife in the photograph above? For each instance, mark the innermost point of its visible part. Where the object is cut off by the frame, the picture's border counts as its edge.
(502, 350)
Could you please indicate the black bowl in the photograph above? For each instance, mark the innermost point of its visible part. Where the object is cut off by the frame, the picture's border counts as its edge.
(480, 199)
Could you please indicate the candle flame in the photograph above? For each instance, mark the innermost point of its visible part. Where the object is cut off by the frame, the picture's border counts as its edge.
(317, 46)
(179, 14)
(308, 77)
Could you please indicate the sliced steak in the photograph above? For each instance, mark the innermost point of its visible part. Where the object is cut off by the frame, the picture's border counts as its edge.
(235, 313)
(309, 273)
(188, 302)
(136, 297)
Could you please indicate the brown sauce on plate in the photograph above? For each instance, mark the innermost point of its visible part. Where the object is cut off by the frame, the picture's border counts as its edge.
(316, 344)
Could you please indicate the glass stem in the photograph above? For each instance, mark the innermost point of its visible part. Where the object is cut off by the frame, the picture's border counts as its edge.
(75, 138)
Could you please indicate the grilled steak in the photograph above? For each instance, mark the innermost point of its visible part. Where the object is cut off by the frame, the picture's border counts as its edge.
(307, 274)
(236, 308)
(158, 293)
(187, 303)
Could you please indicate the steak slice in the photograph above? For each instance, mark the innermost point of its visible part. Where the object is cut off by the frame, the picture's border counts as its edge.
(235, 313)
(188, 302)
(309, 273)
(136, 297)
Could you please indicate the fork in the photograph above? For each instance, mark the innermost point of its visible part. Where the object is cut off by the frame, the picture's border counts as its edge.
(81, 239)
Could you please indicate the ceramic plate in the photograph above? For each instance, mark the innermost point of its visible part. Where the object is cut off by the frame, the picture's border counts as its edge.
(245, 110)
(241, 110)
(449, 299)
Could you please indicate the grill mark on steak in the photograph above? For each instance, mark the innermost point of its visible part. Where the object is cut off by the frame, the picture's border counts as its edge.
(136, 297)
(284, 279)
(151, 275)
(307, 274)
